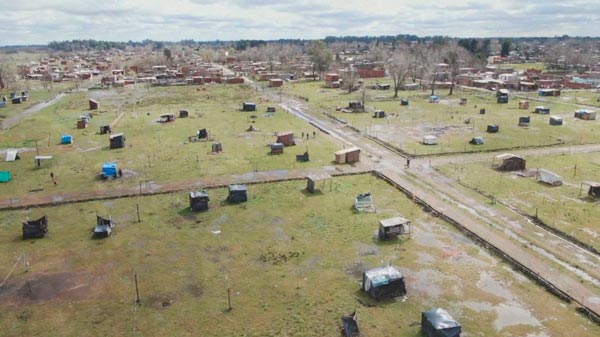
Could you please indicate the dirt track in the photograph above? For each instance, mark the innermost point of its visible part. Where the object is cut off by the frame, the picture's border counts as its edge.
(12, 121)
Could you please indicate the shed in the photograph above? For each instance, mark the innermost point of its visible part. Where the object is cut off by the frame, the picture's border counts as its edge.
(66, 139)
(217, 147)
(237, 193)
(393, 227)
(104, 129)
(549, 92)
(434, 99)
(548, 177)
(33, 229)
(349, 155)
(508, 162)
(183, 113)
(542, 110)
(403, 101)
(117, 141)
(109, 170)
(38, 160)
(82, 123)
(524, 120)
(383, 282)
(286, 138)
(585, 114)
(482, 111)
(502, 99)
(249, 106)
(350, 325)
(93, 104)
(198, 201)
(364, 203)
(430, 140)
(303, 158)
(5, 176)
(103, 227)
(271, 109)
(313, 178)
(167, 118)
(378, 114)
(438, 323)
(493, 128)
(476, 141)
(276, 148)
(2, 104)
(12, 155)
(555, 120)
(523, 105)
(202, 134)
(275, 82)
(594, 188)
(356, 106)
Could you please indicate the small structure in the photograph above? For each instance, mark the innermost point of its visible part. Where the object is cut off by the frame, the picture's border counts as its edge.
(594, 188)
(383, 86)
(548, 177)
(542, 110)
(482, 111)
(493, 128)
(313, 178)
(524, 120)
(378, 114)
(476, 141)
(364, 203)
(275, 82)
(277, 148)
(438, 323)
(202, 134)
(286, 138)
(117, 141)
(523, 105)
(502, 99)
(383, 282)
(5, 176)
(393, 227)
(349, 155)
(183, 113)
(403, 101)
(103, 227)
(587, 115)
(82, 123)
(356, 106)
(463, 101)
(549, 92)
(66, 139)
(110, 170)
(350, 325)
(104, 129)
(237, 193)
(271, 109)
(430, 140)
(555, 120)
(93, 104)
(12, 155)
(217, 147)
(3, 104)
(167, 118)
(508, 162)
(434, 99)
(249, 106)
(199, 201)
(38, 160)
(35, 229)
(303, 158)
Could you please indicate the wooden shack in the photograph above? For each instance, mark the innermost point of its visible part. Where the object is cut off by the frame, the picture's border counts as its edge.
(117, 141)
(393, 227)
(523, 105)
(35, 229)
(167, 118)
(199, 201)
(275, 82)
(82, 123)
(349, 155)
(277, 148)
(286, 138)
(94, 105)
(237, 193)
(248, 106)
(313, 179)
(509, 162)
(555, 120)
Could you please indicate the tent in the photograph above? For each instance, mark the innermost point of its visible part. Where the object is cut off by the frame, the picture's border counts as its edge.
(476, 141)
(438, 323)
(383, 282)
(12, 155)
(434, 99)
(429, 140)
(5, 176)
(509, 162)
(548, 177)
(35, 228)
(66, 139)
(103, 227)
(199, 201)
(237, 193)
(109, 170)
(350, 325)
(542, 110)
(493, 128)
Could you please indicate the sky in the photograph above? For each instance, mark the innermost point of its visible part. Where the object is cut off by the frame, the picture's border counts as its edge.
(43, 21)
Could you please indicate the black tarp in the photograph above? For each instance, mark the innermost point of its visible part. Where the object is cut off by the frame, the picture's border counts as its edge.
(237, 193)
(438, 323)
(384, 282)
(35, 228)
(350, 325)
(198, 201)
(103, 227)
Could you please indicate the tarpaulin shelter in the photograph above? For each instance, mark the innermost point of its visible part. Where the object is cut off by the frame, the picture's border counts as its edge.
(434, 99)
(594, 188)
(199, 201)
(393, 227)
(66, 139)
(237, 193)
(271, 109)
(248, 106)
(303, 157)
(167, 118)
(12, 155)
(277, 148)
(202, 134)
(38, 160)
(5, 176)
(524, 121)
(217, 147)
(493, 128)
(103, 227)
(587, 115)
(383, 282)
(508, 162)
(378, 114)
(350, 325)
(542, 110)
(438, 323)
(35, 228)
(109, 170)
(430, 140)
(313, 178)
(364, 202)
(117, 141)
(403, 101)
(104, 129)
(548, 177)
(183, 113)
(476, 141)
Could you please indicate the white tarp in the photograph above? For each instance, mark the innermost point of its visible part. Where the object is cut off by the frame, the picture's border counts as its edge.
(429, 140)
(11, 154)
(548, 177)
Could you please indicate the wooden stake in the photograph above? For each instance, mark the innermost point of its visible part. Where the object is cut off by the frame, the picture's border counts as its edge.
(137, 291)
(229, 299)
(140, 188)
(137, 206)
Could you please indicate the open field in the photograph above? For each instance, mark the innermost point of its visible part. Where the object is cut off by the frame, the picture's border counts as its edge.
(155, 152)
(405, 126)
(185, 263)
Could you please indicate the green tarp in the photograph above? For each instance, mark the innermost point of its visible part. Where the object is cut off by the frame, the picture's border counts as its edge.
(5, 176)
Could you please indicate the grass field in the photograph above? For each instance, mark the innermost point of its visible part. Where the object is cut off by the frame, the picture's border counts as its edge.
(186, 262)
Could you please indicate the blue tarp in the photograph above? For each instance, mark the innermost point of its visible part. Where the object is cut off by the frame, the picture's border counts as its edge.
(5, 176)
(66, 139)
(109, 169)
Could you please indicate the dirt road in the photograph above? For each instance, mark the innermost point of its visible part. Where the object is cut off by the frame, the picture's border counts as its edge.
(32, 110)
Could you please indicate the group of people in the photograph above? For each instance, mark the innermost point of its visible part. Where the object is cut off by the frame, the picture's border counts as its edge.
(308, 134)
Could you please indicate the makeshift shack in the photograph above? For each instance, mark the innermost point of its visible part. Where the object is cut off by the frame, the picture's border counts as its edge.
(549, 92)
(482, 111)
(492, 128)
(434, 99)
(167, 118)
(430, 140)
(508, 162)
(286, 138)
(103, 227)
(555, 120)
(364, 203)
(16, 100)
(356, 106)
(393, 227)
(587, 115)
(350, 325)
(548, 177)
(524, 120)
(271, 109)
(438, 323)
(248, 106)
(5, 176)
(66, 139)
(303, 158)
(217, 147)
(237, 193)
(523, 105)
(109, 170)
(117, 141)
(378, 114)
(104, 129)
(183, 114)
(93, 104)
(33, 229)
(542, 110)
(12, 155)
(82, 123)
(463, 101)
(502, 99)
(38, 160)
(476, 141)
(277, 148)
(198, 201)
(383, 282)
(403, 101)
(202, 134)
(314, 178)
(349, 155)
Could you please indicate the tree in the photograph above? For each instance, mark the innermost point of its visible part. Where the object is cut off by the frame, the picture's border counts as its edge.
(455, 56)
(505, 49)
(168, 55)
(349, 77)
(320, 56)
(7, 75)
(399, 68)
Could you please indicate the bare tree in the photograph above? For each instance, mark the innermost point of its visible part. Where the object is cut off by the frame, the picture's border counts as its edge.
(7, 75)
(455, 56)
(270, 54)
(349, 78)
(399, 68)
(320, 56)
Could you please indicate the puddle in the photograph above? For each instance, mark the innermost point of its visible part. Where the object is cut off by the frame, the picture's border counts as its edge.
(492, 286)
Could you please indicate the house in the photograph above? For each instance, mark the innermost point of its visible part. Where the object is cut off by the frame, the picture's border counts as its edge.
(248, 106)
(349, 155)
(364, 203)
(523, 105)
(493, 128)
(378, 114)
(524, 120)
(286, 138)
(476, 141)
(549, 92)
(403, 101)
(198, 201)
(82, 123)
(542, 110)
(314, 178)
(104, 129)
(548, 177)
(434, 99)
(277, 148)
(117, 141)
(555, 120)
(350, 325)
(430, 140)
(438, 323)
(587, 115)
(167, 118)
(508, 162)
(183, 113)
(383, 282)
(66, 139)
(93, 104)
(237, 193)
(109, 170)
(393, 227)
(33, 229)
(275, 82)
(5, 176)
(103, 227)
